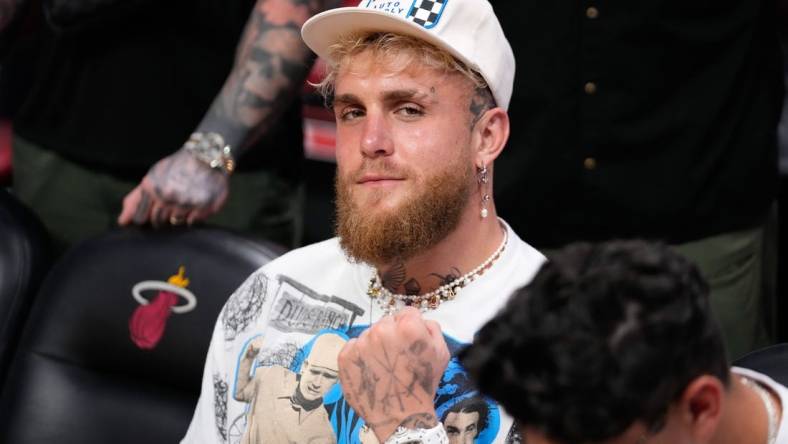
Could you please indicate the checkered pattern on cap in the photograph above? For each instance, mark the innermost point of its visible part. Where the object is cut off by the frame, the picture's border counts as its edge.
(426, 12)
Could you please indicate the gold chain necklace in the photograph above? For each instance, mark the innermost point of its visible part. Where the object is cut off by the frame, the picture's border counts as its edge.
(390, 302)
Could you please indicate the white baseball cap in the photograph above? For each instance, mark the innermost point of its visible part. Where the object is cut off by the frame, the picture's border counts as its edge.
(467, 29)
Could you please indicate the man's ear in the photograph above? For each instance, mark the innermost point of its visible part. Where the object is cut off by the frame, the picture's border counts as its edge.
(490, 135)
(701, 407)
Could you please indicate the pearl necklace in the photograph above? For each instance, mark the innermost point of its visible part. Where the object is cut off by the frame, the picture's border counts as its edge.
(768, 404)
(390, 302)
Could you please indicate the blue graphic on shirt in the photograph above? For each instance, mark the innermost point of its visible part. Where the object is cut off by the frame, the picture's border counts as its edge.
(455, 396)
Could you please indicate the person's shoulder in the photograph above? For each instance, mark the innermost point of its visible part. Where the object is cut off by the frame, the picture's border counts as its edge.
(312, 256)
(321, 256)
(525, 252)
(530, 254)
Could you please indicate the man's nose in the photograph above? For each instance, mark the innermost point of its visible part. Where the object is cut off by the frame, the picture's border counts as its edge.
(376, 139)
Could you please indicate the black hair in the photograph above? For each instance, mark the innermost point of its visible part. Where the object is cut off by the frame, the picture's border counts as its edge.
(605, 335)
(471, 405)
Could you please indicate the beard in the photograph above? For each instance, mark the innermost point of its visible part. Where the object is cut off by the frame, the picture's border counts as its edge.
(425, 217)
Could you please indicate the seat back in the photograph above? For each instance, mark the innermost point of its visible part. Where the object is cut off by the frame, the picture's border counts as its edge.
(771, 361)
(5, 151)
(113, 352)
(24, 259)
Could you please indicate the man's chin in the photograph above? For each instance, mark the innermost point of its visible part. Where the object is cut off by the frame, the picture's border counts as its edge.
(383, 203)
(377, 226)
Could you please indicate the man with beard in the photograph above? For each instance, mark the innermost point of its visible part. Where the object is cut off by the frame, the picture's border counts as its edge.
(420, 97)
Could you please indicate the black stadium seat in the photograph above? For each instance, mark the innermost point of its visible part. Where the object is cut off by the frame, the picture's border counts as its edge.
(112, 353)
(24, 258)
(771, 361)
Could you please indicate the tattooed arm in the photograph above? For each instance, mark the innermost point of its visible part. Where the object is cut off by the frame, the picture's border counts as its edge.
(271, 64)
(391, 372)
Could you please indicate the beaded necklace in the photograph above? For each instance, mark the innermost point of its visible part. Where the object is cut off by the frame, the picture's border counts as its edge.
(390, 302)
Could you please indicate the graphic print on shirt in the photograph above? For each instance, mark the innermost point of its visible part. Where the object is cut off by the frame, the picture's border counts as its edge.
(465, 414)
(283, 374)
(514, 436)
(284, 387)
(285, 404)
(220, 404)
(244, 306)
(303, 401)
(299, 309)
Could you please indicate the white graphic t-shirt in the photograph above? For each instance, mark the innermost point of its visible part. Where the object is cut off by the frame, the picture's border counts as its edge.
(776, 387)
(271, 373)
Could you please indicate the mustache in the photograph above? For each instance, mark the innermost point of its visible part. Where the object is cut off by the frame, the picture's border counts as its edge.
(383, 167)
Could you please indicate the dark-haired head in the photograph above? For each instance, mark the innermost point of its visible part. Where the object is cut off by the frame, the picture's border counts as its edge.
(466, 419)
(606, 335)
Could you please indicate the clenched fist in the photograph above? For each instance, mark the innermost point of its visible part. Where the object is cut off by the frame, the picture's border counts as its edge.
(391, 372)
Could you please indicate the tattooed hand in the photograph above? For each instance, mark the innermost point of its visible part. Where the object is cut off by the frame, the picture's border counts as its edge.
(271, 63)
(390, 373)
(177, 189)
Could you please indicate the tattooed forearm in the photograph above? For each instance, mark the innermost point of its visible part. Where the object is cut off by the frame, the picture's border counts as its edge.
(271, 63)
(420, 421)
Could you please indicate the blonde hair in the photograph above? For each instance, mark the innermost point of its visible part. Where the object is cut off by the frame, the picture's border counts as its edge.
(400, 51)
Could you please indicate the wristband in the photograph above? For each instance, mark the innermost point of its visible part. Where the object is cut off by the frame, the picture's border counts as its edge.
(435, 435)
(210, 149)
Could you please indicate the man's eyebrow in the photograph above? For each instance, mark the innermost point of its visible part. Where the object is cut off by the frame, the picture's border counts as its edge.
(388, 96)
(404, 94)
(346, 98)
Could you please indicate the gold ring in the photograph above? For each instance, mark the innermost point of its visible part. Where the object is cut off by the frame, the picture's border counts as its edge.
(175, 220)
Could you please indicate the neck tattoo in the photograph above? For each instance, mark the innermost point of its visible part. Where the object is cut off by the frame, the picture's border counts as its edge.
(768, 404)
(391, 302)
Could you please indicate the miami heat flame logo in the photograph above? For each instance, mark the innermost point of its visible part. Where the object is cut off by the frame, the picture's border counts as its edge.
(149, 320)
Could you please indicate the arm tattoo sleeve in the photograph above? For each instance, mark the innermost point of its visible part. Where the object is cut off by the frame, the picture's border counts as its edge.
(271, 64)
